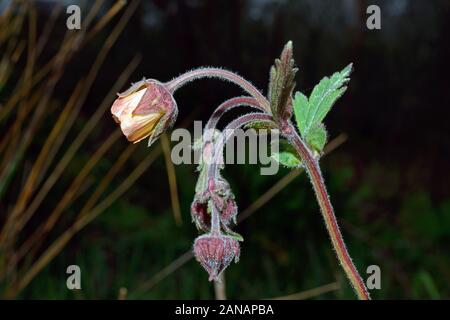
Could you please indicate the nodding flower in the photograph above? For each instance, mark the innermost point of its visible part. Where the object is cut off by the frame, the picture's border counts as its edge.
(145, 110)
(215, 253)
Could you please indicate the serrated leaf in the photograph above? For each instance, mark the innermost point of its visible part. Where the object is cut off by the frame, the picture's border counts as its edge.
(287, 156)
(317, 138)
(309, 113)
(301, 107)
(325, 94)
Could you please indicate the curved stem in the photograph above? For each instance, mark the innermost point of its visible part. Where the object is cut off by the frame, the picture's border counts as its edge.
(313, 169)
(227, 106)
(221, 74)
(228, 132)
(222, 109)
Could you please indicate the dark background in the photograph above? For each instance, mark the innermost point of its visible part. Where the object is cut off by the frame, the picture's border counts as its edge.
(388, 182)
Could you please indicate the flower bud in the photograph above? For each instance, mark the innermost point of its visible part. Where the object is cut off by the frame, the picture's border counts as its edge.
(229, 212)
(215, 253)
(200, 215)
(144, 110)
(223, 199)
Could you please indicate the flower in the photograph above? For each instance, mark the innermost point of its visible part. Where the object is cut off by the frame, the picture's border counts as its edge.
(146, 109)
(215, 253)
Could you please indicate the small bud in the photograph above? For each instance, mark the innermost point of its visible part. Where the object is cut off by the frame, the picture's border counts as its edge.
(144, 110)
(215, 253)
(223, 199)
(200, 215)
(229, 212)
(282, 84)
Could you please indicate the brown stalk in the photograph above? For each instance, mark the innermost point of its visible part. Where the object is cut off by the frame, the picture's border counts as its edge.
(84, 133)
(38, 235)
(172, 177)
(311, 293)
(79, 140)
(71, 43)
(88, 213)
(81, 222)
(105, 19)
(32, 179)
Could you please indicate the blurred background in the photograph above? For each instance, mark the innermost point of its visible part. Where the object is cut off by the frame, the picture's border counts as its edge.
(73, 191)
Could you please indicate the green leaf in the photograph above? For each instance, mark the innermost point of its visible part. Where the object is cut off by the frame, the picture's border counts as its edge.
(317, 138)
(234, 235)
(260, 125)
(287, 156)
(301, 107)
(309, 114)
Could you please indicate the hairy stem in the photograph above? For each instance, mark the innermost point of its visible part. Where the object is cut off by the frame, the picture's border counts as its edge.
(199, 73)
(215, 219)
(217, 150)
(228, 132)
(221, 110)
(227, 106)
(219, 287)
(313, 169)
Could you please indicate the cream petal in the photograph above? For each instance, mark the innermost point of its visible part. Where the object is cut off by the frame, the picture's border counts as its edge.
(136, 128)
(124, 106)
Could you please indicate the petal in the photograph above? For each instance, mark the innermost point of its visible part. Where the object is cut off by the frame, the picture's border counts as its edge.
(136, 128)
(155, 99)
(123, 106)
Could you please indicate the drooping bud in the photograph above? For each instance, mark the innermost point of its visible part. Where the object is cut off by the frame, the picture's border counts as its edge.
(215, 253)
(200, 215)
(144, 110)
(229, 212)
(223, 199)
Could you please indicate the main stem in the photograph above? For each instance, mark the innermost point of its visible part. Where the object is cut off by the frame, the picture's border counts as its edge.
(313, 169)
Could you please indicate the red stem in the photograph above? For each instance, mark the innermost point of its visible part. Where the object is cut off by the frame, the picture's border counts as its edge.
(313, 169)
(221, 74)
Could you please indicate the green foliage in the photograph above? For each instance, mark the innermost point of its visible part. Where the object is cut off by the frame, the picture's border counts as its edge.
(260, 125)
(287, 156)
(234, 235)
(309, 113)
(317, 137)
